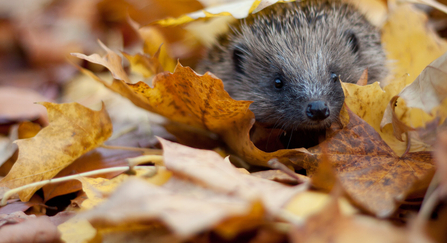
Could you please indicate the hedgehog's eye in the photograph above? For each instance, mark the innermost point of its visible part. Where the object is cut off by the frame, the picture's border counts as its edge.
(334, 77)
(278, 83)
(353, 42)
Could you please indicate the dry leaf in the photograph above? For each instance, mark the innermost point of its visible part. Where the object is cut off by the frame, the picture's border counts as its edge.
(368, 169)
(237, 9)
(198, 101)
(329, 225)
(212, 170)
(73, 131)
(138, 201)
(369, 103)
(39, 229)
(19, 104)
(408, 41)
(99, 158)
(310, 202)
(426, 93)
(98, 189)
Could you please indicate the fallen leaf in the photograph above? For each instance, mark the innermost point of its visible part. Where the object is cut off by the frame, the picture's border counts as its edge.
(237, 9)
(111, 61)
(329, 225)
(429, 89)
(369, 103)
(368, 169)
(154, 44)
(19, 105)
(308, 203)
(7, 145)
(39, 229)
(99, 158)
(408, 42)
(76, 229)
(427, 94)
(57, 145)
(98, 189)
(136, 201)
(209, 168)
(198, 101)
(440, 155)
(14, 218)
(28, 129)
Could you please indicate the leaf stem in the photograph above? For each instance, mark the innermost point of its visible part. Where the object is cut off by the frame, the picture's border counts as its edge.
(61, 179)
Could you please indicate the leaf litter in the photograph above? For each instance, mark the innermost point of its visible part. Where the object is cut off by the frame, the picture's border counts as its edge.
(368, 170)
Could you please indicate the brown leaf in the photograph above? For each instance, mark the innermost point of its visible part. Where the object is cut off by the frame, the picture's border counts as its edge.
(363, 80)
(208, 168)
(138, 201)
(19, 104)
(441, 161)
(368, 169)
(39, 229)
(324, 177)
(73, 131)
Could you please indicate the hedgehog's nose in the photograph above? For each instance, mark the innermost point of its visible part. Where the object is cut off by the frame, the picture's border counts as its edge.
(317, 110)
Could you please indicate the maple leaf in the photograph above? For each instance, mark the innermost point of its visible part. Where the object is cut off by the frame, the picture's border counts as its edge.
(368, 169)
(57, 145)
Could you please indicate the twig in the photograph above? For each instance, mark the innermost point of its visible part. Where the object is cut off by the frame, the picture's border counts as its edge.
(145, 150)
(275, 164)
(57, 180)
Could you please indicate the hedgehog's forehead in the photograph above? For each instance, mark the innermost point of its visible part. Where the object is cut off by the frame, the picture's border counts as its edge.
(298, 46)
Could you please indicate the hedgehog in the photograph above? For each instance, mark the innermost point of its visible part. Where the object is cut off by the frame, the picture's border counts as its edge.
(289, 59)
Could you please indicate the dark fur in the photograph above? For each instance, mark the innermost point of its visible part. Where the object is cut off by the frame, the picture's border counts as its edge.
(302, 43)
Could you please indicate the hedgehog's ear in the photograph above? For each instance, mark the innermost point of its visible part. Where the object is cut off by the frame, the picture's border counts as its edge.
(352, 40)
(238, 56)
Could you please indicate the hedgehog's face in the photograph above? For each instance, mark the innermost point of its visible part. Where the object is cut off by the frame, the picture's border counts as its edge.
(295, 88)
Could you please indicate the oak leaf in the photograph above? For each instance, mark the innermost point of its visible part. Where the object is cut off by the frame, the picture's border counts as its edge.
(73, 131)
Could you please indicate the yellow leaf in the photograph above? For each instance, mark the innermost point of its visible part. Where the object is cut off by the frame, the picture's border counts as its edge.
(97, 189)
(76, 230)
(73, 131)
(369, 103)
(309, 203)
(238, 9)
(408, 42)
(155, 45)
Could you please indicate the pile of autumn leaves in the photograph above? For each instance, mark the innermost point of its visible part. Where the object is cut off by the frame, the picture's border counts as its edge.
(370, 161)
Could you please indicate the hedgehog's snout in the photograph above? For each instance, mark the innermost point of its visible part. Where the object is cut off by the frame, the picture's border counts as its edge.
(317, 110)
